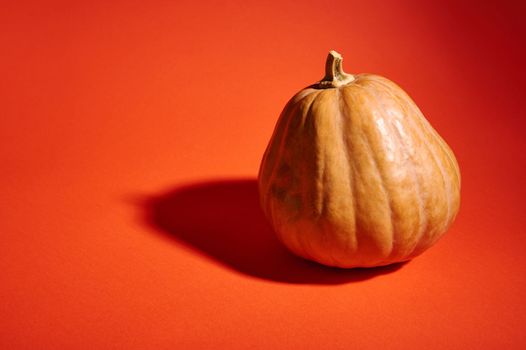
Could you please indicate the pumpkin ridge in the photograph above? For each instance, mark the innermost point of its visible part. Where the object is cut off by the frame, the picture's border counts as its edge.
(416, 118)
(402, 147)
(452, 165)
(427, 237)
(301, 237)
(321, 174)
(320, 164)
(356, 176)
(444, 146)
(381, 174)
(442, 143)
(374, 95)
(267, 182)
(278, 156)
(445, 179)
(438, 161)
(281, 148)
(422, 216)
(352, 239)
(268, 150)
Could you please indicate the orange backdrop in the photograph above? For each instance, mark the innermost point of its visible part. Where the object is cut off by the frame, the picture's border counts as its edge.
(130, 138)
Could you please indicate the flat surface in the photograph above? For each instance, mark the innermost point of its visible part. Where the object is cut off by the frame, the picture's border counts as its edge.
(130, 138)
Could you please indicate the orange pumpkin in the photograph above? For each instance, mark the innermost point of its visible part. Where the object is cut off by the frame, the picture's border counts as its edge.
(355, 176)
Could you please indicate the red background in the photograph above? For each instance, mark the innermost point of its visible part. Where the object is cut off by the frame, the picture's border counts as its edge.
(130, 138)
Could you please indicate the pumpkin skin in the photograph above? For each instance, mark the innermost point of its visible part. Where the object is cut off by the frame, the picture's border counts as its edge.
(355, 176)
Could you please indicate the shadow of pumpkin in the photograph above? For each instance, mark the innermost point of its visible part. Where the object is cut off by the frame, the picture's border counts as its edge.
(222, 220)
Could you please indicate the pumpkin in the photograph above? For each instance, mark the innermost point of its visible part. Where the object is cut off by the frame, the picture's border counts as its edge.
(355, 176)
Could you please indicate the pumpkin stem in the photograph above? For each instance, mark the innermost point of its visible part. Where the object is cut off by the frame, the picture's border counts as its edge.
(334, 74)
